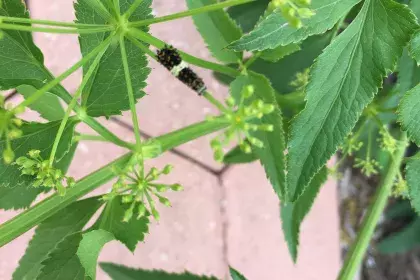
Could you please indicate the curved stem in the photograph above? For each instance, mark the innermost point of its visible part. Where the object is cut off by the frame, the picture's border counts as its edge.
(355, 256)
(191, 12)
(73, 102)
(149, 39)
(54, 30)
(63, 76)
(88, 137)
(49, 22)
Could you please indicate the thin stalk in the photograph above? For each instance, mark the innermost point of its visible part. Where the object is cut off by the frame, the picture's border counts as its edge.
(142, 47)
(191, 12)
(130, 91)
(48, 207)
(73, 102)
(49, 22)
(252, 59)
(67, 73)
(355, 256)
(149, 39)
(98, 7)
(88, 137)
(132, 9)
(55, 30)
(207, 95)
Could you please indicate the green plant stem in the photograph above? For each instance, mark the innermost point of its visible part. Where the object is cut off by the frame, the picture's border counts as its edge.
(48, 207)
(55, 30)
(355, 256)
(207, 95)
(149, 39)
(67, 73)
(130, 91)
(88, 137)
(132, 9)
(98, 7)
(252, 59)
(49, 22)
(191, 12)
(73, 102)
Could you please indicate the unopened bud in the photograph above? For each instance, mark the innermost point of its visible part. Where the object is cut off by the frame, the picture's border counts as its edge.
(167, 169)
(8, 156)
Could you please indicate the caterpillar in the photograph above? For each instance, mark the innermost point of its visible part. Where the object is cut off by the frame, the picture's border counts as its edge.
(170, 58)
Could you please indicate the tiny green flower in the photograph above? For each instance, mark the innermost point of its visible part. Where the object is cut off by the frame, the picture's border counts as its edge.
(387, 141)
(351, 145)
(400, 188)
(242, 122)
(44, 174)
(9, 130)
(293, 10)
(368, 166)
(138, 189)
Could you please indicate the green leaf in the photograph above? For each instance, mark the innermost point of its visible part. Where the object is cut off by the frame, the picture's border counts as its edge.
(236, 275)
(402, 241)
(16, 191)
(344, 80)
(218, 30)
(129, 233)
(408, 74)
(236, 155)
(274, 30)
(21, 61)
(412, 175)
(118, 272)
(48, 105)
(63, 260)
(53, 230)
(106, 94)
(278, 53)
(408, 114)
(293, 213)
(272, 154)
(415, 47)
(284, 71)
(89, 248)
(247, 15)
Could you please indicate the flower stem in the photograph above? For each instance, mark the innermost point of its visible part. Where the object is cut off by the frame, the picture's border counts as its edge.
(132, 8)
(28, 28)
(130, 91)
(191, 12)
(88, 137)
(73, 102)
(63, 76)
(207, 95)
(49, 22)
(355, 256)
(149, 39)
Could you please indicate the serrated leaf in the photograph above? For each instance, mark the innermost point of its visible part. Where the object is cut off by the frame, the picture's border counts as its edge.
(344, 80)
(63, 260)
(412, 170)
(247, 15)
(218, 30)
(129, 233)
(408, 114)
(278, 53)
(119, 272)
(275, 31)
(236, 275)
(401, 241)
(48, 105)
(49, 233)
(15, 190)
(415, 47)
(236, 155)
(21, 61)
(272, 154)
(106, 93)
(89, 248)
(408, 74)
(293, 213)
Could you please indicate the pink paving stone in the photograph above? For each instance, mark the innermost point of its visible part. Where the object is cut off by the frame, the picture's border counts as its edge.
(256, 245)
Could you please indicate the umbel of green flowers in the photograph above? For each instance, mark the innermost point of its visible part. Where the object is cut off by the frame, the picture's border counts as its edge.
(241, 118)
(45, 174)
(293, 10)
(140, 189)
(9, 130)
